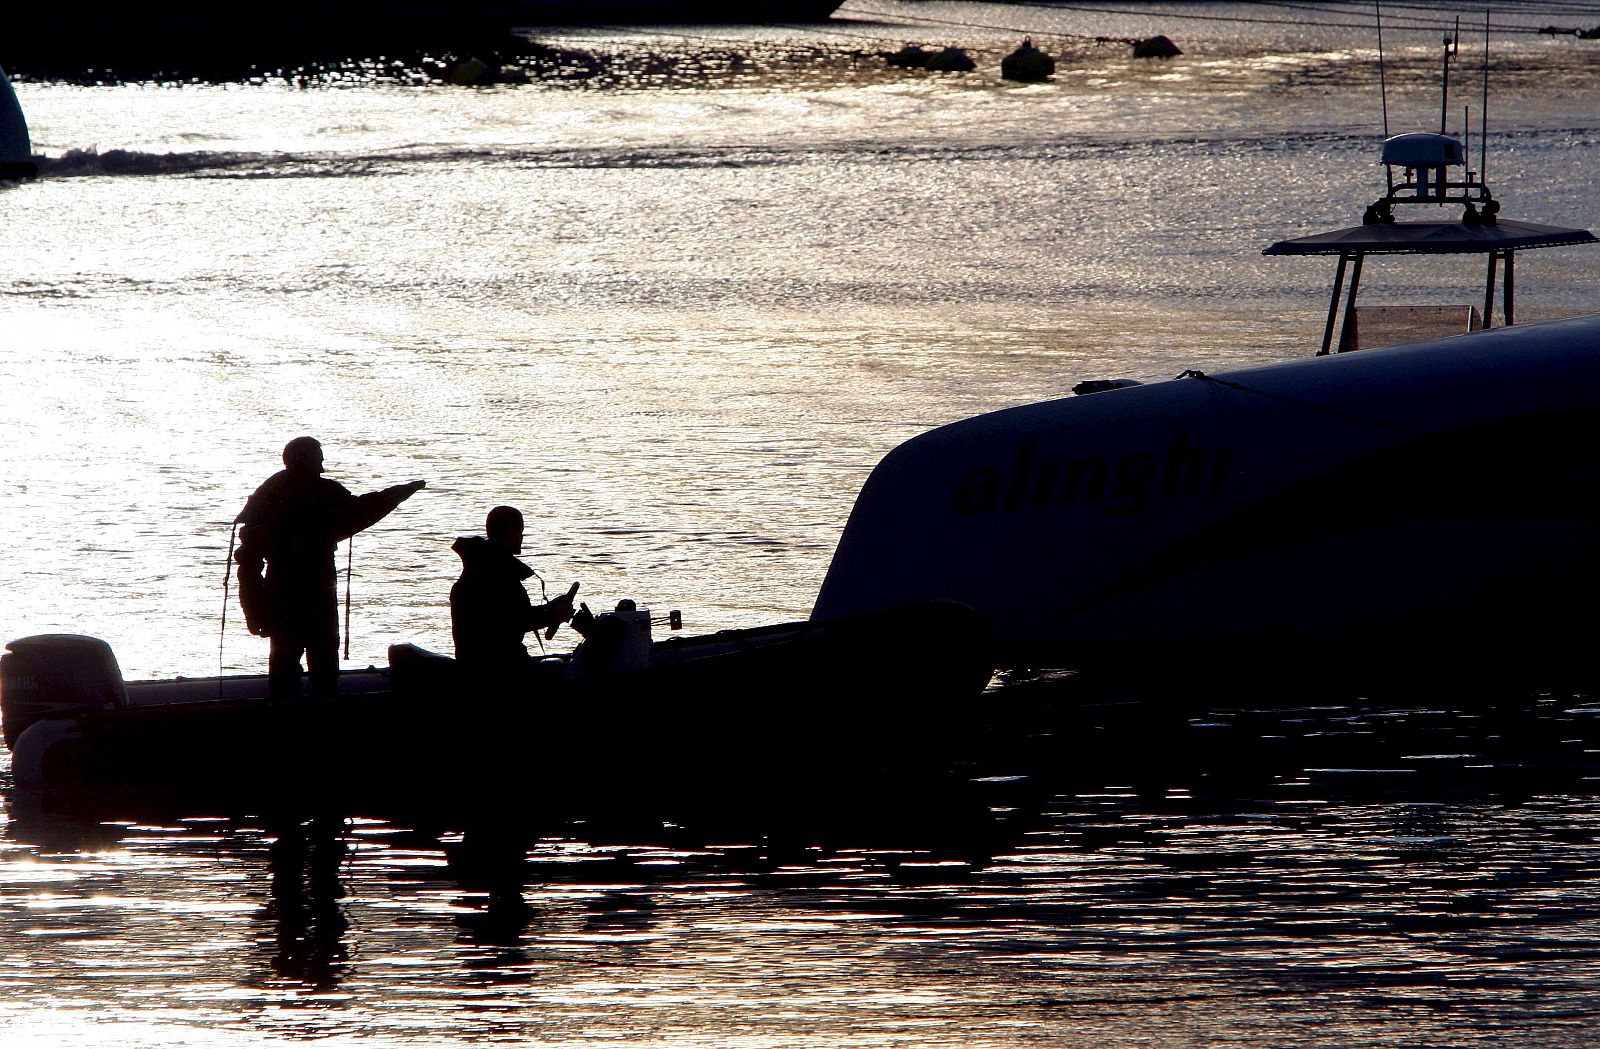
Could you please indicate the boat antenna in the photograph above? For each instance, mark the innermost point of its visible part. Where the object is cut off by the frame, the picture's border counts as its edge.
(349, 568)
(1383, 83)
(1483, 110)
(1452, 45)
(227, 577)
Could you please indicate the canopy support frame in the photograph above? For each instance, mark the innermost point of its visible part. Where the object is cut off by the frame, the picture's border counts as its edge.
(1508, 296)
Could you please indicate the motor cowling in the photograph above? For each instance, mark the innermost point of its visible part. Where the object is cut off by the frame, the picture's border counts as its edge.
(615, 641)
(57, 676)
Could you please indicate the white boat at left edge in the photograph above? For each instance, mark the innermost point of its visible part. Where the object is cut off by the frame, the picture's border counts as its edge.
(16, 149)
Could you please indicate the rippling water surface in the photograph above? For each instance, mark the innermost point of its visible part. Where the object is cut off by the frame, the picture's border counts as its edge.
(1338, 875)
(677, 311)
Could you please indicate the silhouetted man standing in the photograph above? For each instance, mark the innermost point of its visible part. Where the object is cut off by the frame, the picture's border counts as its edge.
(292, 523)
(490, 609)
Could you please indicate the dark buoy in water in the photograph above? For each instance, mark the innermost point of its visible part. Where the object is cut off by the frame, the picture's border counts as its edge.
(1027, 64)
(469, 72)
(912, 56)
(951, 60)
(1156, 47)
(475, 72)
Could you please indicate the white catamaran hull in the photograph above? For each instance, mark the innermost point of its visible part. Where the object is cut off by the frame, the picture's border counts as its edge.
(1394, 509)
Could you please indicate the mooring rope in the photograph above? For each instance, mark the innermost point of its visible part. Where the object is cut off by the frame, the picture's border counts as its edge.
(227, 578)
(1419, 22)
(1195, 373)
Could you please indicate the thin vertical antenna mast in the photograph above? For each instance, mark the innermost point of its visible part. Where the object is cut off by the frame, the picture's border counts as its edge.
(1483, 111)
(1383, 90)
(1383, 84)
(1451, 45)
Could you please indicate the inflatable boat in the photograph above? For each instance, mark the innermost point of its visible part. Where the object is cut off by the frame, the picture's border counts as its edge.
(735, 711)
(1427, 506)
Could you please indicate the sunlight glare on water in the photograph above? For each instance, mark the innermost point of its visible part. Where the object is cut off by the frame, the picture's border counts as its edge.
(678, 325)
(678, 321)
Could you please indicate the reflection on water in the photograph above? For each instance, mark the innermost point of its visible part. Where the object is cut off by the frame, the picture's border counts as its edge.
(1391, 874)
(304, 913)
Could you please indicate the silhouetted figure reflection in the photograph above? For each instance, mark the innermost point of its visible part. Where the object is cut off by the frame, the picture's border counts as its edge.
(292, 523)
(308, 922)
(490, 610)
(617, 911)
(491, 859)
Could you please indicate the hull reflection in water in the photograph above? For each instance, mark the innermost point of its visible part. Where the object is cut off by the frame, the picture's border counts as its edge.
(1289, 863)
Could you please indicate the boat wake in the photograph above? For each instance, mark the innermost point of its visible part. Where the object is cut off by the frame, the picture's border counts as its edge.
(94, 162)
(79, 163)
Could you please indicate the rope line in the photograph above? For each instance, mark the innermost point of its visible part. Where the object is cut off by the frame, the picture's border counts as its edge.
(1407, 22)
(921, 20)
(1426, 17)
(227, 578)
(1365, 420)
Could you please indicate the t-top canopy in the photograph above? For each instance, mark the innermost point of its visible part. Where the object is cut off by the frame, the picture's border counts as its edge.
(1432, 238)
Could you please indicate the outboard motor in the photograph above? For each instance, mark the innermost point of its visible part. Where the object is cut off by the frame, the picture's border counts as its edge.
(615, 641)
(57, 676)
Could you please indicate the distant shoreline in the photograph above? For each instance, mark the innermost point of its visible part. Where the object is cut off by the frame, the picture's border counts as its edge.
(100, 42)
